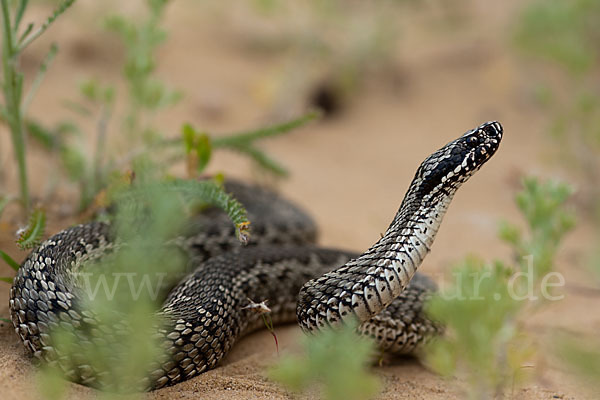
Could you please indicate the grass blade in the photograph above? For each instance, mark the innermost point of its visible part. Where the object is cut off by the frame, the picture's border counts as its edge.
(270, 131)
(20, 11)
(9, 260)
(262, 159)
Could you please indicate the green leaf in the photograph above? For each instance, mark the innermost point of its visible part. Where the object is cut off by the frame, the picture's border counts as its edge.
(26, 41)
(6, 279)
(74, 162)
(245, 138)
(203, 151)
(41, 135)
(90, 89)
(19, 14)
(27, 31)
(33, 233)
(5, 320)
(198, 143)
(9, 260)
(510, 233)
(189, 137)
(262, 159)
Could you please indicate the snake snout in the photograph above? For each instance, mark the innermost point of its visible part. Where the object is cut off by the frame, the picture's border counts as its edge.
(486, 133)
(493, 129)
(488, 136)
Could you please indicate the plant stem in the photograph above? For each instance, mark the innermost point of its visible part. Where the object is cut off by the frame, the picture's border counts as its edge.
(97, 174)
(13, 84)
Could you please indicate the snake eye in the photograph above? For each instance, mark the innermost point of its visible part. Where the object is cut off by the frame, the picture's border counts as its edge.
(473, 140)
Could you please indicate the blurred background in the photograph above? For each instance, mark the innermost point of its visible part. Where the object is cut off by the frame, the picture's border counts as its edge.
(395, 79)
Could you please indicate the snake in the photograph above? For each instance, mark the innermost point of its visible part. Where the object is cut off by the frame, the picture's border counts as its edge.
(320, 288)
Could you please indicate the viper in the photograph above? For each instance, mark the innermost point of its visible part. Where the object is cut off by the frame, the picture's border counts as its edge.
(208, 310)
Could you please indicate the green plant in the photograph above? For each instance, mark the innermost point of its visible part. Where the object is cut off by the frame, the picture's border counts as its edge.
(124, 346)
(482, 329)
(329, 364)
(146, 94)
(483, 308)
(199, 145)
(542, 205)
(14, 42)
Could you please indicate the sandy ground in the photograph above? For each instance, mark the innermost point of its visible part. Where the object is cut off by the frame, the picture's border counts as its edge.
(350, 171)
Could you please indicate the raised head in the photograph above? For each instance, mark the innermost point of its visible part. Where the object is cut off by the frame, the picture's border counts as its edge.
(458, 160)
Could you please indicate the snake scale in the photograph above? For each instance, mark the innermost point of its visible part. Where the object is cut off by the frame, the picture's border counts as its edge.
(207, 311)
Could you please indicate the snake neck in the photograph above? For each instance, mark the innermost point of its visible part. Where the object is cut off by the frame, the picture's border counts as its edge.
(365, 286)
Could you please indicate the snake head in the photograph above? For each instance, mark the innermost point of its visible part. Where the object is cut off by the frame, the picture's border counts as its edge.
(481, 144)
(449, 167)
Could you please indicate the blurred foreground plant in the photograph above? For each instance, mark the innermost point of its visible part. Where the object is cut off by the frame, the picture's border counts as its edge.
(335, 361)
(483, 338)
(483, 309)
(124, 289)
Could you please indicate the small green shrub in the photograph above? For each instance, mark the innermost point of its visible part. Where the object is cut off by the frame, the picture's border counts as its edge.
(483, 335)
(483, 308)
(542, 205)
(336, 361)
(127, 285)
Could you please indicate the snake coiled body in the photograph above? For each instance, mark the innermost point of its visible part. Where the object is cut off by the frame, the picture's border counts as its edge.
(207, 311)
